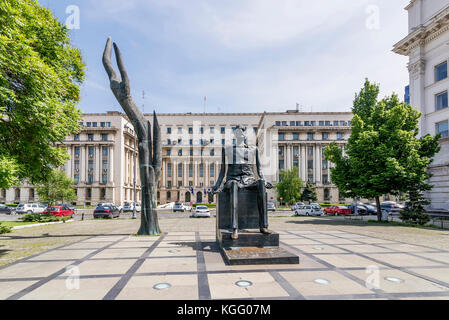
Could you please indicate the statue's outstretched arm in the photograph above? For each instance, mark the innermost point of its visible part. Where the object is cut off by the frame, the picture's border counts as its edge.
(121, 88)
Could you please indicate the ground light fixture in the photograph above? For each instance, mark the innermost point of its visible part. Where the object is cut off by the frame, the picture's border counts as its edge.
(173, 251)
(321, 281)
(318, 248)
(244, 283)
(162, 286)
(394, 279)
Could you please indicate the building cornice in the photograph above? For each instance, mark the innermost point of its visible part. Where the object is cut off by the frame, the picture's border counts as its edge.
(424, 33)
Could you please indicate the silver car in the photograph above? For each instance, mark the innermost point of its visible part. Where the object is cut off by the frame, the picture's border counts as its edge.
(308, 210)
(201, 211)
(30, 208)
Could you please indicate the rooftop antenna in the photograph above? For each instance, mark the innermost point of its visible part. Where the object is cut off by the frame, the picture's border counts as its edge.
(205, 104)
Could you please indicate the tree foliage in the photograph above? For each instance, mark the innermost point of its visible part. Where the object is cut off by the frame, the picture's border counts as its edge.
(40, 74)
(57, 188)
(384, 154)
(309, 193)
(289, 186)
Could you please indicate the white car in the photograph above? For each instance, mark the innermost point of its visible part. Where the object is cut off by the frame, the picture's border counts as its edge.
(201, 211)
(30, 208)
(308, 210)
(129, 207)
(296, 205)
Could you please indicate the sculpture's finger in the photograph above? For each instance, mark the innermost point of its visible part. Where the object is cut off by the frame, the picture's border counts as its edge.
(121, 66)
(157, 145)
(107, 61)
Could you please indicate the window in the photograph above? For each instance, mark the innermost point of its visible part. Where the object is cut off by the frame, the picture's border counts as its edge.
(201, 130)
(325, 164)
(90, 137)
(168, 152)
(222, 130)
(211, 141)
(281, 164)
(441, 71)
(295, 151)
(321, 123)
(212, 130)
(212, 170)
(298, 123)
(281, 136)
(90, 165)
(168, 141)
(190, 183)
(339, 136)
(310, 178)
(190, 130)
(179, 184)
(201, 169)
(91, 151)
(325, 179)
(309, 164)
(179, 130)
(278, 123)
(77, 165)
(104, 178)
(292, 123)
(191, 152)
(77, 151)
(105, 164)
(168, 130)
(169, 170)
(309, 136)
(191, 142)
(442, 127)
(168, 184)
(284, 123)
(313, 123)
(180, 152)
(88, 124)
(90, 178)
(76, 137)
(281, 151)
(324, 136)
(77, 178)
(295, 163)
(190, 170)
(295, 136)
(102, 124)
(223, 142)
(441, 101)
(212, 152)
(179, 170)
(335, 123)
(342, 123)
(306, 123)
(108, 124)
(179, 141)
(310, 151)
(94, 124)
(255, 129)
(104, 150)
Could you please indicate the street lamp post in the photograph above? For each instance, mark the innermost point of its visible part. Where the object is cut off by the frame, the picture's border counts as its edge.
(135, 197)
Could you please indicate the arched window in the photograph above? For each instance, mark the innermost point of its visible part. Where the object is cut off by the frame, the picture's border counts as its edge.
(199, 197)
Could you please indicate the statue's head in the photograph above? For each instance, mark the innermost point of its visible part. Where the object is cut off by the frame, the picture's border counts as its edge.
(240, 132)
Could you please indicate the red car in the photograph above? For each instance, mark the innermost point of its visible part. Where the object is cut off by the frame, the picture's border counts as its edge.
(59, 211)
(337, 210)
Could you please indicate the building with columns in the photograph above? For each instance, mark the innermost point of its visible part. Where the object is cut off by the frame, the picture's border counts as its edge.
(102, 163)
(427, 46)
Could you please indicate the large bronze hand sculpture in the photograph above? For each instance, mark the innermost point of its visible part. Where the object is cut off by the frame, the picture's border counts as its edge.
(150, 151)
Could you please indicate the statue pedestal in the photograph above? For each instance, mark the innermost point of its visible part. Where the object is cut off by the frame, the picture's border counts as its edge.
(251, 247)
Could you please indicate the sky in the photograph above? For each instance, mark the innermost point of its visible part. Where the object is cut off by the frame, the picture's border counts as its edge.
(242, 55)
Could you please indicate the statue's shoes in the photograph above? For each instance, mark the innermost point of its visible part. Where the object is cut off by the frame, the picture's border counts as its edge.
(234, 235)
(264, 231)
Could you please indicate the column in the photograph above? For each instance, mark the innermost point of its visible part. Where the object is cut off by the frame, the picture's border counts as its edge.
(287, 156)
(175, 174)
(111, 165)
(83, 166)
(317, 163)
(97, 164)
(68, 169)
(164, 173)
(303, 162)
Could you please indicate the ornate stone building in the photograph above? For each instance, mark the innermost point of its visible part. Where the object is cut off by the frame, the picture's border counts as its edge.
(102, 154)
(427, 46)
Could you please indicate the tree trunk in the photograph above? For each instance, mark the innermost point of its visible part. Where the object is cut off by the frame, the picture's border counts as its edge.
(379, 209)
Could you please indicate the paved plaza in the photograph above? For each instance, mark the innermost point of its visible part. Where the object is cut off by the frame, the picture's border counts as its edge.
(337, 261)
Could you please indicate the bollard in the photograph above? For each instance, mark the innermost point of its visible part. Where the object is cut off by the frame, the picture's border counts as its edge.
(82, 216)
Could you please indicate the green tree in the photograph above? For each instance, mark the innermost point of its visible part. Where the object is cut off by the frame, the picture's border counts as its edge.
(57, 188)
(289, 186)
(40, 74)
(384, 154)
(309, 193)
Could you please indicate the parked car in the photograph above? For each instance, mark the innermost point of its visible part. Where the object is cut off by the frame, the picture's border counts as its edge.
(30, 208)
(296, 205)
(59, 211)
(68, 205)
(201, 211)
(179, 207)
(308, 210)
(361, 210)
(337, 210)
(388, 206)
(188, 207)
(106, 211)
(8, 210)
(129, 207)
(271, 206)
(370, 209)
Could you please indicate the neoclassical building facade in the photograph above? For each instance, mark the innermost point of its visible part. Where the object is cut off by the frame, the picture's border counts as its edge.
(427, 46)
(102, 154)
